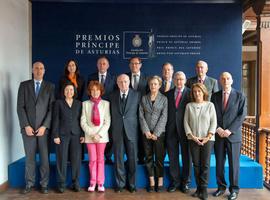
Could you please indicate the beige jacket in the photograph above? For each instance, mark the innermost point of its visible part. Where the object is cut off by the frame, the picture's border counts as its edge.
(105, 120)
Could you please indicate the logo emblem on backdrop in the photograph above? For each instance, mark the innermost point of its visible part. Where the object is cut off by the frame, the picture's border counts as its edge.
(137, 41)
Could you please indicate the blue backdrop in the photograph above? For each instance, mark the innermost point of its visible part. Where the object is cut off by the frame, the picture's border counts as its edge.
(176, 33)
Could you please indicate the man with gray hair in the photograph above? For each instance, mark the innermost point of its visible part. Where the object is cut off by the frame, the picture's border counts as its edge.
(124, 112)
(167, 77)
(178, 98)
(231, 109)
(210, 83)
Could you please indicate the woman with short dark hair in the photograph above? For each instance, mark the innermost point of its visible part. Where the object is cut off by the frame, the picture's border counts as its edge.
(68, 136)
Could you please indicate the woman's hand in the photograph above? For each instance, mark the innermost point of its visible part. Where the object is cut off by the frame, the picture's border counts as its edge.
(81, 140)
(96, 138)
(148, 135)
(57, 140)
(154, 137)
(205, 140)
(197, 140)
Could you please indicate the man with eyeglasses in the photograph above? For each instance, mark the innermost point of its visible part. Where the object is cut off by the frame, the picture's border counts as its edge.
(138, 82)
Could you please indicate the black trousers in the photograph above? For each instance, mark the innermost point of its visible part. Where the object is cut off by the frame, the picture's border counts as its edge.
(154, 155)
(233, 150)
(201, 162)
(70, 146)
(173, 144)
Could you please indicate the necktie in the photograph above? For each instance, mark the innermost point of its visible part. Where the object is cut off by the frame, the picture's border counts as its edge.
(167, 86)
(225, 100)
(37, 88)
(200, 81)
(178, 98)
(102, 79)
(123, 101)
(135, 81)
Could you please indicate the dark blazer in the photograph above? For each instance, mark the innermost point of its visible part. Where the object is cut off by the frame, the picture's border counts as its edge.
(66, 120)
(127, 119)
(153, 117)
(162, 88)
(143, 88)
(32, 111)
(109, 85)
(232, 118)
(210, 83)
(176, 116)
(80, 89)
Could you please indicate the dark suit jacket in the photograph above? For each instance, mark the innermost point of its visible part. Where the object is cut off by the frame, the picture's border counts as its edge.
(176, 116)
(32, 111)
(210, 83)
(66, 120)
(234, 115)
(127, 119)
(143, 88)
(80, 89)
(109, 85)
(162, 88)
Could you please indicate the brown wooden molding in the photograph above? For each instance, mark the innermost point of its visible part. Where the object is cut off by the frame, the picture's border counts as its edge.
(3, 187)
(261, 7)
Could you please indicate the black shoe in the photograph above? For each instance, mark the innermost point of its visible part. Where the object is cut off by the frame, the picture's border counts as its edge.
(160, 188)
(26, 190)
(233, 196)
(44, 190)
(203, 194)
(185, 188)
(151, 189)
(61, 189)
(219, 192)
(197, 193)
(118, 189)
(172, 188)
(76, 188)
(132, 189)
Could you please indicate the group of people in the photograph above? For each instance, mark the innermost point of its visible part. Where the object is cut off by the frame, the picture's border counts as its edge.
(132, 114)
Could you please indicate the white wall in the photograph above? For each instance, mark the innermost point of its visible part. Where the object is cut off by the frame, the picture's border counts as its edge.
(15, 30)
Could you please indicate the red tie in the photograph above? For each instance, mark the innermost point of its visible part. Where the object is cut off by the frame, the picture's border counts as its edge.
(178, 98)
(225, 100)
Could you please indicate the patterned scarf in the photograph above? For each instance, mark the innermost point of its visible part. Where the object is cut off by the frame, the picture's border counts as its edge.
(95, 112)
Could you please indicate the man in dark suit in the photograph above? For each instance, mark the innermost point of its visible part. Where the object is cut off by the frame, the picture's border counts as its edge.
(178, 98)
(124, 115)
(139, 83)
(210, 83)
(231, 110)
(167, 77)
(103, 76)
(34, 107)
(109, 83)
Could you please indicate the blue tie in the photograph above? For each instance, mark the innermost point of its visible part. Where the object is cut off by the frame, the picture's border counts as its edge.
(37, 88)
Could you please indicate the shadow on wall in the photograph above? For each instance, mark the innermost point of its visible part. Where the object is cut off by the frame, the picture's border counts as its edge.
(7, 102)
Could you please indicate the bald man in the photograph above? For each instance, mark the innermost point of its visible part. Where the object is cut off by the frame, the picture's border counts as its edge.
(124, 113)
(34, 108)
(210, 83)
(231, 109)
